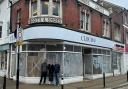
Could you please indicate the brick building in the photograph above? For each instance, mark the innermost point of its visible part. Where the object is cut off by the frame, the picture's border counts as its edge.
(73, 33)
(119, 20)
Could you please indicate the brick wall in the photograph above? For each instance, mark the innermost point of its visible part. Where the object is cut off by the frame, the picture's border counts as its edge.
(23, 6)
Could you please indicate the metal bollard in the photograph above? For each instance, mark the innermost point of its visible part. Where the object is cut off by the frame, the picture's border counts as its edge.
(62, 78)
(127, 76)
(104, 80)
(4, 83)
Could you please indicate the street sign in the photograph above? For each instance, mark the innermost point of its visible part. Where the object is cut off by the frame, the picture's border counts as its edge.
(19, 39)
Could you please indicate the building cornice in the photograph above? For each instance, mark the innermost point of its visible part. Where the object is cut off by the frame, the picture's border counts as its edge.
(95, 6)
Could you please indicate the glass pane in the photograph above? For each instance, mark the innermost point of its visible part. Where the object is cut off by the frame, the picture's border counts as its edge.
(114, 61)
(82, 20)
(68, 47)
(106, 64)
(95, 51)
(13, 65)
(36, 47)
(45, 4)
(34, 62)
(56, 47)
(87, 64)
(56, 8)
(97, 64)
(77, 49)
(24, 47)
(22, 64)
(34, 7)
(73, 61)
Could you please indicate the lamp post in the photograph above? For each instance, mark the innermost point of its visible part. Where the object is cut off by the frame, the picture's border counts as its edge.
(18, 35)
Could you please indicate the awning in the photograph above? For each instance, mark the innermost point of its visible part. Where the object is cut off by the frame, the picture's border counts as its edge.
(4, 47)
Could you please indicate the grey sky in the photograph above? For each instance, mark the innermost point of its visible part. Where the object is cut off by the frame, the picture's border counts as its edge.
(123, 3)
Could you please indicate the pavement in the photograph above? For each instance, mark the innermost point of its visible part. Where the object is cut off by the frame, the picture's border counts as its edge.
(111, 83)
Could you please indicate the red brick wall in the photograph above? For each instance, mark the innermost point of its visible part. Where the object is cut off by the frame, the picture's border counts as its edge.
(96, 23)
(71, 14)
(117, 18)
(23, 6)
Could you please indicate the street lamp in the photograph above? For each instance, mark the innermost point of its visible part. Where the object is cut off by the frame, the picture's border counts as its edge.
(18, 36)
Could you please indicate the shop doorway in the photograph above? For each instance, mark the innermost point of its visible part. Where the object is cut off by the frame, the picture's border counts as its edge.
(87, 62)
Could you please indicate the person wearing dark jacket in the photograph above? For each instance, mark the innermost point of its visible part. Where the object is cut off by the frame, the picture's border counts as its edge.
(56, 73)
(51, 72)
(43, 72)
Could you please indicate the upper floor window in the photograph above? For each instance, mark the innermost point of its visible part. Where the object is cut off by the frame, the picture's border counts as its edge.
(117, 32)
(34, 7)
(85, 21)
(127, 37)
(125, 19)
(56, 7)
(18, 18)
(45, 7)
(106, 28)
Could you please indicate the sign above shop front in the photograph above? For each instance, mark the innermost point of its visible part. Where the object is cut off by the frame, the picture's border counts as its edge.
(118, 47)
(95, 6)
(45, 19)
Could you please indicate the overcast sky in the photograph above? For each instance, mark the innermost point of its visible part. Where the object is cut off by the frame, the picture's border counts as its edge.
(123, 3)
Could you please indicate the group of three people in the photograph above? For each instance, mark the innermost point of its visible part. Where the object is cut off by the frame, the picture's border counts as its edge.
(51, 71)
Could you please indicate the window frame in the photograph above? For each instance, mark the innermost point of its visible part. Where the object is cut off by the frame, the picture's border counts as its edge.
(32, 8)
(85, 21)
(106, 28)
(50, 9)
(117, 32)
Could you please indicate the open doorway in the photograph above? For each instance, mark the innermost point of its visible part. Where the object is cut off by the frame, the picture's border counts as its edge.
(87, 62)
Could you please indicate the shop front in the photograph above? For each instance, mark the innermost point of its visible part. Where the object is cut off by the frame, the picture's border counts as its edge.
(79, 55)
(96, 62)
(4, 56)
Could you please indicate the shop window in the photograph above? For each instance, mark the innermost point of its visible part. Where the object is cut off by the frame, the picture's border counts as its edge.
(77, 49)
(24, 47)
(34, 61)
(70, 62)
(34, 7)
(68, 47)
(13, 47)
(55, 47)
(3, 60)
(35, 47)
(95, 51)
(116, 61)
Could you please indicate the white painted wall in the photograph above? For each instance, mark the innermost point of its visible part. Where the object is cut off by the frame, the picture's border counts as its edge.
(5, 19)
